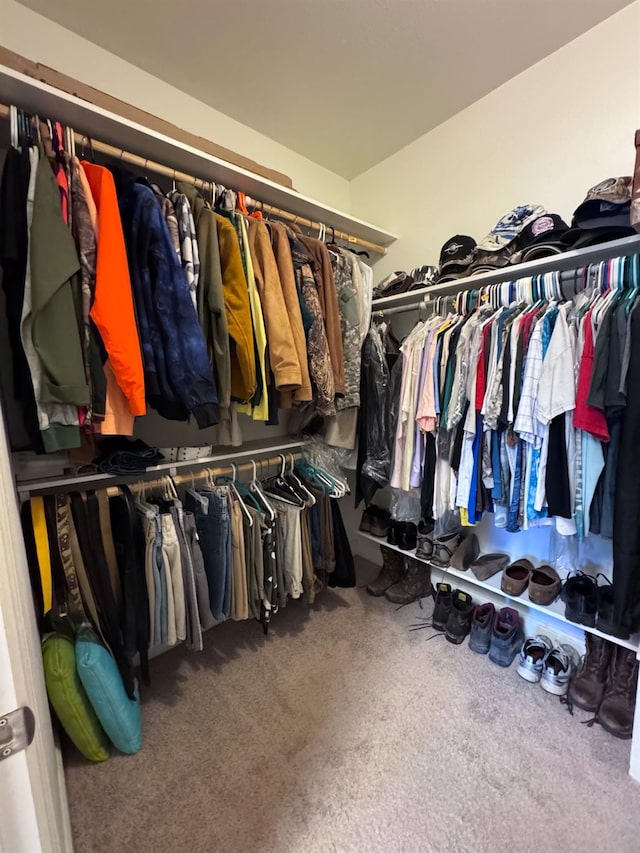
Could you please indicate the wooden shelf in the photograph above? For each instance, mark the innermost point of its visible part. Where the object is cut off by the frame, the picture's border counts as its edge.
(556, 263)
(37, 97)
(555, 610)
(233, 454)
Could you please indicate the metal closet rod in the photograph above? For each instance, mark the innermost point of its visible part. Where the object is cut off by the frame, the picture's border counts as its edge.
(176, 175)
(204, 473)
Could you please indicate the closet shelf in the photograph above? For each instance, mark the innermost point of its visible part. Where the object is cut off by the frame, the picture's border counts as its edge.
(556, 263)
(248, 450)
(38, 97)
(555, 610)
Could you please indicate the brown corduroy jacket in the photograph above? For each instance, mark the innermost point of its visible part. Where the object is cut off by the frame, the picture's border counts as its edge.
(283, 355)
(284, 262)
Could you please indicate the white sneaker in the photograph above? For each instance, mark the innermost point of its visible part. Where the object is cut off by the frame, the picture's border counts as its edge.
(532, 654)
(559, 665)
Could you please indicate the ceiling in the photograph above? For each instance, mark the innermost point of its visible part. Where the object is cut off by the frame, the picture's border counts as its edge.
(346, 83)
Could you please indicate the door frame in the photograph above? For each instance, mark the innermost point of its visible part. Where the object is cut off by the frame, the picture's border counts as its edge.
(35, 813)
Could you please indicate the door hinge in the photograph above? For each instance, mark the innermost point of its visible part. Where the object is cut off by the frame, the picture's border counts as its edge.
(16, 731)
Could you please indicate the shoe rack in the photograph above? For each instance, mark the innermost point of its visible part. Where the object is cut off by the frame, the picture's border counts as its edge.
(491, 586)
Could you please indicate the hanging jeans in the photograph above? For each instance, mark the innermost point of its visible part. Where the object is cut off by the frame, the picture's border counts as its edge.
(514, 504)
(239, 600)
(213, 523)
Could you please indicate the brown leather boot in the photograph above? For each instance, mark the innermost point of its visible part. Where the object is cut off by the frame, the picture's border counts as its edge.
(587, 685)
(392, 571)
(615, 713)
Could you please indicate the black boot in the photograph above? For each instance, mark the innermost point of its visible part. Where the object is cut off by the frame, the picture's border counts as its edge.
(392, 571)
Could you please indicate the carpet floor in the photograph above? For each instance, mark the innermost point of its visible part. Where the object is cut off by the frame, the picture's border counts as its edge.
(343, 731)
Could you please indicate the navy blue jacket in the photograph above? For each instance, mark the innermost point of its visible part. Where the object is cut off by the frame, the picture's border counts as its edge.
(178, 375)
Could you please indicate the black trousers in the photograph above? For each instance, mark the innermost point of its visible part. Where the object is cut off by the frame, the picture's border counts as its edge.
(626, 523)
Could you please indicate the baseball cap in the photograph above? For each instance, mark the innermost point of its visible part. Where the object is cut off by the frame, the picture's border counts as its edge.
(580, 238)
(458, 251)
(606, 204)
(509, 227)
(541, 237)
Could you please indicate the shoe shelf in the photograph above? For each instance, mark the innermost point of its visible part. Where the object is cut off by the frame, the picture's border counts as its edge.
(555, 610)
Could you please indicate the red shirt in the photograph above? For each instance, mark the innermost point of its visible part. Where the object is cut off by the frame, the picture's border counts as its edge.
(587, 417)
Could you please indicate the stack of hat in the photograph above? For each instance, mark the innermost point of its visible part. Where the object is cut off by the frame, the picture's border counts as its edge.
(541, 238)
(456, 257)
(604, 215)
(423, 276)
(498, 247)
(394, 283)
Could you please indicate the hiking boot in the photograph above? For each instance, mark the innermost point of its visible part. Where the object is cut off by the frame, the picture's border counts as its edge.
(392, 571)
(379, 521)
(532, 656)
(481, 627)
(442, 606)
(506, 637)
(559, 666)
(588, 684)
(616, 710)
(460, 616)
(580, 596)
(415, 584)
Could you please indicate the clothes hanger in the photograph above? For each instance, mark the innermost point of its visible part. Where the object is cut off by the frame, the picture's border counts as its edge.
(231, 481)
(279, 488)
(310, 499)
(255, 488)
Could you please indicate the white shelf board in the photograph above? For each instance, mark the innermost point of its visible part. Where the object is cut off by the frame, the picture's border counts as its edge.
(556, 263)
(492, 585)
(234, 454)
(38, 97)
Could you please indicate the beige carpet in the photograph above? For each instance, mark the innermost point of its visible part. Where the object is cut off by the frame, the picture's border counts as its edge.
(342, 731)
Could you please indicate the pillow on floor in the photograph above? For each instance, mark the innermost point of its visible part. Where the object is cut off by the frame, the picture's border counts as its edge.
(100, 677)
(69, 700)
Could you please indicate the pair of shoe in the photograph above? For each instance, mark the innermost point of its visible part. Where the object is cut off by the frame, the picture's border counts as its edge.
(375, 520)
(589, 604)
(452, 613)
(551, 666)
(402, 534)
(402, 579)
(606, 684)
(544, 582)
(496, 632)
(440, 550)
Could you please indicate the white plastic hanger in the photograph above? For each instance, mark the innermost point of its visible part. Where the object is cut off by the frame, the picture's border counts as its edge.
(233, 487)
(254, 486)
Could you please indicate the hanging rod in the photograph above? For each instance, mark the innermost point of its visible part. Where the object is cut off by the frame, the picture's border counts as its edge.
(199, 476)
(146, 164)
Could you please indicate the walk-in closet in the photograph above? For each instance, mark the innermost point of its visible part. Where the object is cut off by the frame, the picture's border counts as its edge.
(319, 382)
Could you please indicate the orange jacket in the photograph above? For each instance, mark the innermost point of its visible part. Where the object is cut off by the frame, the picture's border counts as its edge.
(112, 310)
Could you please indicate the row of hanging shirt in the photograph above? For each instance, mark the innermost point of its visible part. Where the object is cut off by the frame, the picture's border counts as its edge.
(119, 296)
(148, 569)
(515, 406)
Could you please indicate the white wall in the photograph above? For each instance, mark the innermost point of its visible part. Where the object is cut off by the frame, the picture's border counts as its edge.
(41, 40)
(545, 136)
